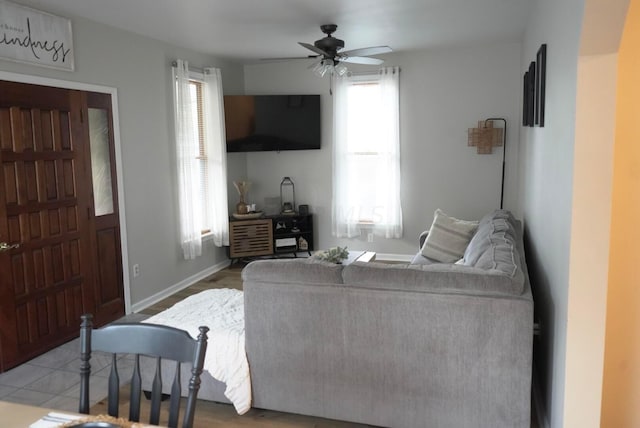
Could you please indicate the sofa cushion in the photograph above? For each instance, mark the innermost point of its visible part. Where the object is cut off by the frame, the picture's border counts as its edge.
(494, 247)
(438, 277)
(448, 238)
(495, 228)
(301, 271)
(419, 259)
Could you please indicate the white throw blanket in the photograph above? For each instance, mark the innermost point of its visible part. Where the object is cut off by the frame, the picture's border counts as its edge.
(222, 310)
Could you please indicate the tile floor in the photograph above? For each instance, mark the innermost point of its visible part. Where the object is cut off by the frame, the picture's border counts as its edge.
(53, 379)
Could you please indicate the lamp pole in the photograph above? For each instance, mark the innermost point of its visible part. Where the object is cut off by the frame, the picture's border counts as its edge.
(504, 150)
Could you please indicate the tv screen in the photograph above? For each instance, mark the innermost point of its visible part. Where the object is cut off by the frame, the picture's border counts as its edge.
(272, 122)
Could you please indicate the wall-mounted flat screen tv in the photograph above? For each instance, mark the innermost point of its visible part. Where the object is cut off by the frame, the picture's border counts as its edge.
(257, 123)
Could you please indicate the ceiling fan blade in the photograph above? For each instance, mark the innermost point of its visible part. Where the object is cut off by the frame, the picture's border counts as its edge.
(373, 50)
(290, 58)
(313, 48)
(362, 60)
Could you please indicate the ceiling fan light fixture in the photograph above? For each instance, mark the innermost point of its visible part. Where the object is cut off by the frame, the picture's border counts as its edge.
(329, 66)
(321, 68)
(341, 69)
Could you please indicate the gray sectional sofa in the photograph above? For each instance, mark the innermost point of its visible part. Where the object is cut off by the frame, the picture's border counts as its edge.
(415, 345)
(424, 344)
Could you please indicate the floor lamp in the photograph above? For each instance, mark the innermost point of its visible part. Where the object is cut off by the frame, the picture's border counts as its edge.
(485, 137)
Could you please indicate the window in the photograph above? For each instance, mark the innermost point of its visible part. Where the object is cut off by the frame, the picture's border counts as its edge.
(201, 157)
(195, 89)
(366, 182)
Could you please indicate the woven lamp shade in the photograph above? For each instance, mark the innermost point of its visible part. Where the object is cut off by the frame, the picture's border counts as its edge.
(485, 137)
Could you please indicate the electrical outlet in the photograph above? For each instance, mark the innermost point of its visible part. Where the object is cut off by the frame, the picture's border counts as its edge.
(370, 237)
(136, 270)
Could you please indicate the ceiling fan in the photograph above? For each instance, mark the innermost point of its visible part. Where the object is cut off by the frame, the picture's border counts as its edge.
(328, 51)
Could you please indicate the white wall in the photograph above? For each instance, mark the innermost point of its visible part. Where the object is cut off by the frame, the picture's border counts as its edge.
(443, 93)
(546, 189)
(140, 70)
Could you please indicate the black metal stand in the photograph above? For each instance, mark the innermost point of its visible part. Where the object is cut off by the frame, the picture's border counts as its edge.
(504, 151)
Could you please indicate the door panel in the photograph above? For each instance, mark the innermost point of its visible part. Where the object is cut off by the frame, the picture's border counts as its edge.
(46, 211)
(107, 256)
(42, 294)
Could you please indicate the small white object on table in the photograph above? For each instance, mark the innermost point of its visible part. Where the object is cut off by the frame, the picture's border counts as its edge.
(16, 415)
(359, 256)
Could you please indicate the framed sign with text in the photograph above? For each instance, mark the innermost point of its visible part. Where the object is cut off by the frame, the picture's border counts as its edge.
(34, 37)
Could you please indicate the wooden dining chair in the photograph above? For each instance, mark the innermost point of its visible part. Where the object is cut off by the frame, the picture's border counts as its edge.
(159, 341)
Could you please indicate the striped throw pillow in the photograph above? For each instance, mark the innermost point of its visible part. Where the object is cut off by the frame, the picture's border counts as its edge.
(448, 238)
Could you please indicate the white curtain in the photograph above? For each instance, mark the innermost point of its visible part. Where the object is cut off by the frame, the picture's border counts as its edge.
(342, 225)
(187, 149)
(366, 155)
(215, 141)
(390, 93)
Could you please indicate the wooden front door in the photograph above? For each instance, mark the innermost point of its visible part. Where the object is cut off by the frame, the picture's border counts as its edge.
(108, 289)
(47, 224)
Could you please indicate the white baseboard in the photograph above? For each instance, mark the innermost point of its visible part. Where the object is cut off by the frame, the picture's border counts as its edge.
(151, 300)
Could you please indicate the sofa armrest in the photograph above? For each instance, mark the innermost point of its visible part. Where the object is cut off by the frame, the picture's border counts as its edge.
(423, 237)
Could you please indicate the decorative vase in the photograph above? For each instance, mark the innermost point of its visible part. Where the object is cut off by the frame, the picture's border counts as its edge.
(241, 207)
(242, 187)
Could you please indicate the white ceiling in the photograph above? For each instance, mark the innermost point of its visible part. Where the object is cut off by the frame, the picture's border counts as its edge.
(251, 29)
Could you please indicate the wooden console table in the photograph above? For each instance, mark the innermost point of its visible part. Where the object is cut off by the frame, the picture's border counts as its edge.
(270, 235)
(250, 238)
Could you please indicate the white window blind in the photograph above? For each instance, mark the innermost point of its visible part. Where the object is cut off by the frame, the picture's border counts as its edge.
(195, 87)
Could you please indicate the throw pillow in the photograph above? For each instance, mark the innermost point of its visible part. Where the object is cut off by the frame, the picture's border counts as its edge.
(448, 238)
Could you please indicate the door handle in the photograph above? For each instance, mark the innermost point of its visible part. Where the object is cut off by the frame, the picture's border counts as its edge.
(6, 247)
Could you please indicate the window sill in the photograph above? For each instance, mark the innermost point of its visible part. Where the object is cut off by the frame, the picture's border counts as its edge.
(366, 224)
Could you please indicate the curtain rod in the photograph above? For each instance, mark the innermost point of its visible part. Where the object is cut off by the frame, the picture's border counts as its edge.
(361, 73)
(194, 69)
(368, 73)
